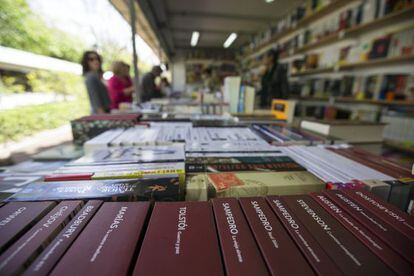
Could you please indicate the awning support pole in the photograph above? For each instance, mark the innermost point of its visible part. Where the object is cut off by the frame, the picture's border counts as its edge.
(134, 50)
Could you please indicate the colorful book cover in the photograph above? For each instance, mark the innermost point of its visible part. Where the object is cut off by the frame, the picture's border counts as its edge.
(160, 189)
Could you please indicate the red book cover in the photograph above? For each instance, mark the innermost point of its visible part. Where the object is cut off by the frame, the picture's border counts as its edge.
(17, 217)
(239, 249)
(55, 250)
(387, 234)
(378, 247)
(401, 221)
(351, 256)
(313, 252)
(68, 177)
(181, 239)
(108, 243)
(277, 248)
(15, 259)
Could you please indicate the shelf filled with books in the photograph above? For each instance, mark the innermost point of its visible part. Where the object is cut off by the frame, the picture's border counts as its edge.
(357, 65)
(356, 101)
(313, 17)
(357, 30)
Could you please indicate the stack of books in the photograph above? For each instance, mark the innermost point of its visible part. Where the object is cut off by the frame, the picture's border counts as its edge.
(350, 232)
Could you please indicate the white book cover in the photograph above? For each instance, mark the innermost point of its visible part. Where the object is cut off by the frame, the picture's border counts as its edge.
(232, 92)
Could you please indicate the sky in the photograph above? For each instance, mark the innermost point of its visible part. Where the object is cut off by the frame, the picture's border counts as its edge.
(92, 21)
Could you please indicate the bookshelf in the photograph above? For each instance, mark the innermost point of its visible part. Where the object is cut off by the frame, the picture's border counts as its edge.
(355, 101)
(334, 6)
(353, 32)
(358, 65)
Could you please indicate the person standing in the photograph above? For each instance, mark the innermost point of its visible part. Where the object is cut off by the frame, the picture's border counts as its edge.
(274, 81)
(120, 85)
(97, 92)
(149, 88)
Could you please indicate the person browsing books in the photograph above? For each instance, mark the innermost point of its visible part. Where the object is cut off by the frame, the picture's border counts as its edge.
(274, 81)
(120, 85)
(97, 92)
(149, 88)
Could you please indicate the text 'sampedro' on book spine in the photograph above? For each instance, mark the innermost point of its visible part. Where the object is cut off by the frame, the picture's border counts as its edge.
(313, 252)
(277, 247)
(240, 252)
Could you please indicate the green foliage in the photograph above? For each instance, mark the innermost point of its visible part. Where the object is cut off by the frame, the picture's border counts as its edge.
(11, 84)
(21, 29)
(57, 82)
(23, 121)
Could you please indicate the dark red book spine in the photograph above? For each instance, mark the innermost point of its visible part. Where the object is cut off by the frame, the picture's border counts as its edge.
(387, 234)
(378, 247)
(313, 252)
(15, 259)
(277, 248)
(351, 256)
(239, 249)
(182, 238)
(108, 243)
(51, 255)
(17, 217)
(68, 177)
(400, 221)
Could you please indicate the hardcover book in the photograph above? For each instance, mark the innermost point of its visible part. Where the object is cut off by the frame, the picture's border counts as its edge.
(401, 221)
(166, 188)
(378, 247)
(17, 217)
(15, 259)
(350, 255)
(310, 248)
(182, 237)
(107, 245)
(385, 232)
(239, 249)
(242, 184)
(55, 250)
(128, 155)
(239, 164)
(277, 248)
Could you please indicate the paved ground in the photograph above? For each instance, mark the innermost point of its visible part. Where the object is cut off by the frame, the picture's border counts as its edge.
(14, 152)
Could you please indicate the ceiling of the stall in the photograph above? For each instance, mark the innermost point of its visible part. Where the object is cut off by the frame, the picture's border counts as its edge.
(173, 21)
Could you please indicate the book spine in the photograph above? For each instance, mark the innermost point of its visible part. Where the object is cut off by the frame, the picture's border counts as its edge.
(274, 242)
(182, 237)
(17, 217)
(15, 259)
(387, 234)
(310, 248)
(393, 216)
(240, 252)
(350, 255)
(51, 255)
(379, 248)
(108, 243)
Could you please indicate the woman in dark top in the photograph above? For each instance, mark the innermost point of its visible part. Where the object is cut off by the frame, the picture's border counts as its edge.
(274, 82)
(97, 92)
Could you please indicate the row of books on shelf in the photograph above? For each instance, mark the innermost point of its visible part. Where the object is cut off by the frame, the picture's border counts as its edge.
(361, 13)
(347, 232)
(356, 14)
(398, 44)
(359, 87)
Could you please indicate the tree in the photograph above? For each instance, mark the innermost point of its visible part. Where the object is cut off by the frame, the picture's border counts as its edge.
(21, 29)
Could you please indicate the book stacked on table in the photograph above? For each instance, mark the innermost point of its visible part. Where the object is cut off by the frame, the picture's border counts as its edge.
(350, 232)
(90, 126)
(282, 135)
(345, 167)
(240, 175)
(118, 173)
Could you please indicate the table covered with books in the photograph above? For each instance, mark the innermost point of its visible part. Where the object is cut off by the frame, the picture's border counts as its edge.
(205, 195)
